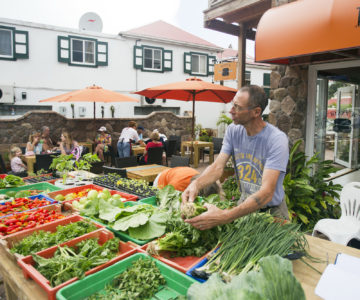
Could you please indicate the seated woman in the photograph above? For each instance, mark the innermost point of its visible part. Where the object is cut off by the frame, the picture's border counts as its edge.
(69, 146)
(155, 142)
(34, 146)
(102, 141)
(18, 168)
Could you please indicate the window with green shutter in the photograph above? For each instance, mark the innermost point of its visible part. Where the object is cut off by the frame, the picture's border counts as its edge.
(14, 43)
(80, 51)
(266, 84)
(152, 59)
(199, 64)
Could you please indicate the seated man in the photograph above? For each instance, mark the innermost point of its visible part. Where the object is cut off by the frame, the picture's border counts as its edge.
(180, 178)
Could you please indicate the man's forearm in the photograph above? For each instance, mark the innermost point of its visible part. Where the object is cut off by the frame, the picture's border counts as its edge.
(251, 204)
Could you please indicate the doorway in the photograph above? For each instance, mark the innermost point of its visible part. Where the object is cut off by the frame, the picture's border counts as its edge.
(333, 128)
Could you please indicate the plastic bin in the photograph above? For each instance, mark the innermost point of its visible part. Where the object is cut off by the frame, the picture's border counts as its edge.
(9, 241)
(52, 207)
(27, 263)
(177, 283)
(150, 200)
(198, 265)
(128, 197)
(51, 201)
(181, 263)
(36, 186)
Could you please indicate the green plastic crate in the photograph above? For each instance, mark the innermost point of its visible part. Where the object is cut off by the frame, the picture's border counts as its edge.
(150, 200)
(36, 186)
(177, 283)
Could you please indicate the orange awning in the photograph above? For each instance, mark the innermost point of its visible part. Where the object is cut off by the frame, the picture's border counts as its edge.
(308, 27)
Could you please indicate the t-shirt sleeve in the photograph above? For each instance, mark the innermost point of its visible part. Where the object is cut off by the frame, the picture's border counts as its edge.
(278, 153)
(227, 146)
(136, 137)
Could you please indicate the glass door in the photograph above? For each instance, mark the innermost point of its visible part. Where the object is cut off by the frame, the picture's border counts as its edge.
(346, 143)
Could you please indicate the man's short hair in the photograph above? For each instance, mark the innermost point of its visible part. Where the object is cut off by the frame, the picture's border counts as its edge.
(213, 188)
(44, 128)
(257, 96)
(140, 128)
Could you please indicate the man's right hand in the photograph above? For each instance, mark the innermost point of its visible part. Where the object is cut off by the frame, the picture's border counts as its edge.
(190, 193)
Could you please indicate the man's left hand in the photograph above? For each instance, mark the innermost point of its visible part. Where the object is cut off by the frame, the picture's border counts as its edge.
(212, 217)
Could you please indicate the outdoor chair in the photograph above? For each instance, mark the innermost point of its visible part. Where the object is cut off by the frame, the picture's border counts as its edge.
(118, 171)
(2, 166)
(179, 161)
(178, 142)
(125, 162)
(346, 228)
(97, 167)
(43, 161)
(217, 147)
(155, 155)
(170, 149)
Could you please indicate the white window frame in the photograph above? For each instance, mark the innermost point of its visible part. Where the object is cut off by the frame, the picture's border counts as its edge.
(11, 43)
(153, 59)
(83, 52)
(206, 66)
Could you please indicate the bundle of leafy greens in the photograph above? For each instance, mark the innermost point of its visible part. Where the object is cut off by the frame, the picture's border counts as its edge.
(70, 262)
(185, 240)
(273, 279)
(168, 198)
(11, 181)
(254, 237)
(45, 239)
(140, 281)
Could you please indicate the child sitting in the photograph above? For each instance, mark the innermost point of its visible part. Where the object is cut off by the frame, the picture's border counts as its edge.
(18, 168)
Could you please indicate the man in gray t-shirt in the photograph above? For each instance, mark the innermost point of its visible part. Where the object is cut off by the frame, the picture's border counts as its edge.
(261, 153)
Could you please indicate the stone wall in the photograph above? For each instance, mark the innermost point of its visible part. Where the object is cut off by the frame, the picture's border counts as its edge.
(17, 131)
(289, 100)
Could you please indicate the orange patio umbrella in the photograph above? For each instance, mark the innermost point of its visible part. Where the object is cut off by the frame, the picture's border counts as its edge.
(91, 94)
(193, 89)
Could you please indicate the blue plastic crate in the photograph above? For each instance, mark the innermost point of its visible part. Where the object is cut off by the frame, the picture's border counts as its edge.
(198, 265)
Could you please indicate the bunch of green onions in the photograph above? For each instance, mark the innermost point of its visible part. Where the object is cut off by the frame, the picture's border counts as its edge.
(253, 237)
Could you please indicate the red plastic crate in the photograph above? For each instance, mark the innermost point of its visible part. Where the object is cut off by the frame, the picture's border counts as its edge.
(27, 263)
(55, 207)
(181, 263)
(9, 241)
(52, 195)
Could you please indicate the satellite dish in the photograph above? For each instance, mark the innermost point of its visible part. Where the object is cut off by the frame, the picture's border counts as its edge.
(91, 22)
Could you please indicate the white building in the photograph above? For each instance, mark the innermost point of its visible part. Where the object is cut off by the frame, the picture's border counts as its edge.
(39, 61)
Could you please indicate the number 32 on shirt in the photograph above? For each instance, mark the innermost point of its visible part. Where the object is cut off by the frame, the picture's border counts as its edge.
(247, 173)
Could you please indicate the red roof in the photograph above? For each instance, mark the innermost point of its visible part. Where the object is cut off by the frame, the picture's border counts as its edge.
(163, 30)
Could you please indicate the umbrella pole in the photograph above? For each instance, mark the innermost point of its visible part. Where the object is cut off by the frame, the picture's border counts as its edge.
(193, 130)
(94, 110)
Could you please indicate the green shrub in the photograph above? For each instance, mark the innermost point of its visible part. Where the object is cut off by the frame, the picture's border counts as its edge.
(309, 197)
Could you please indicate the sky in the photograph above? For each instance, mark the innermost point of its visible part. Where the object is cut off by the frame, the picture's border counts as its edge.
(120, 15)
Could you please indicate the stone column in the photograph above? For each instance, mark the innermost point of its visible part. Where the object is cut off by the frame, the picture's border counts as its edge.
(289, 95)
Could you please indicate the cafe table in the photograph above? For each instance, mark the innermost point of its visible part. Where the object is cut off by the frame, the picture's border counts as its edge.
(145, 172)
(137, 150)
(197, 145)
(17, 287)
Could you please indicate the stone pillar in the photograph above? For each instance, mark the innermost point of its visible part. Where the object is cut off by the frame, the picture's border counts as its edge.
(288, 106)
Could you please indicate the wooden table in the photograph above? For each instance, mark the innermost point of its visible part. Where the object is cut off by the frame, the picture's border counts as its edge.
(17, 287)
(137, 150)
(197, 146)
(326, 251)
(30, 162)
(145, 172)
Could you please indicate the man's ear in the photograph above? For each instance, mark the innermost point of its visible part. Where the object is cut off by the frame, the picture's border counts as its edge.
(257, 111)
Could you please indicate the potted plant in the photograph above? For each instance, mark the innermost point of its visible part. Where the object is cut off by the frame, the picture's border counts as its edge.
(84, 163)
(228, 171)
(112, 109)
(102, 111)
(63, 164)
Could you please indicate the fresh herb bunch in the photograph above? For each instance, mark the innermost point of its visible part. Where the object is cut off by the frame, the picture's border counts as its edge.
(253, 237)
(231, 189)
(44, 239)
(140, 281)
(11, 181)
(70, 262)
